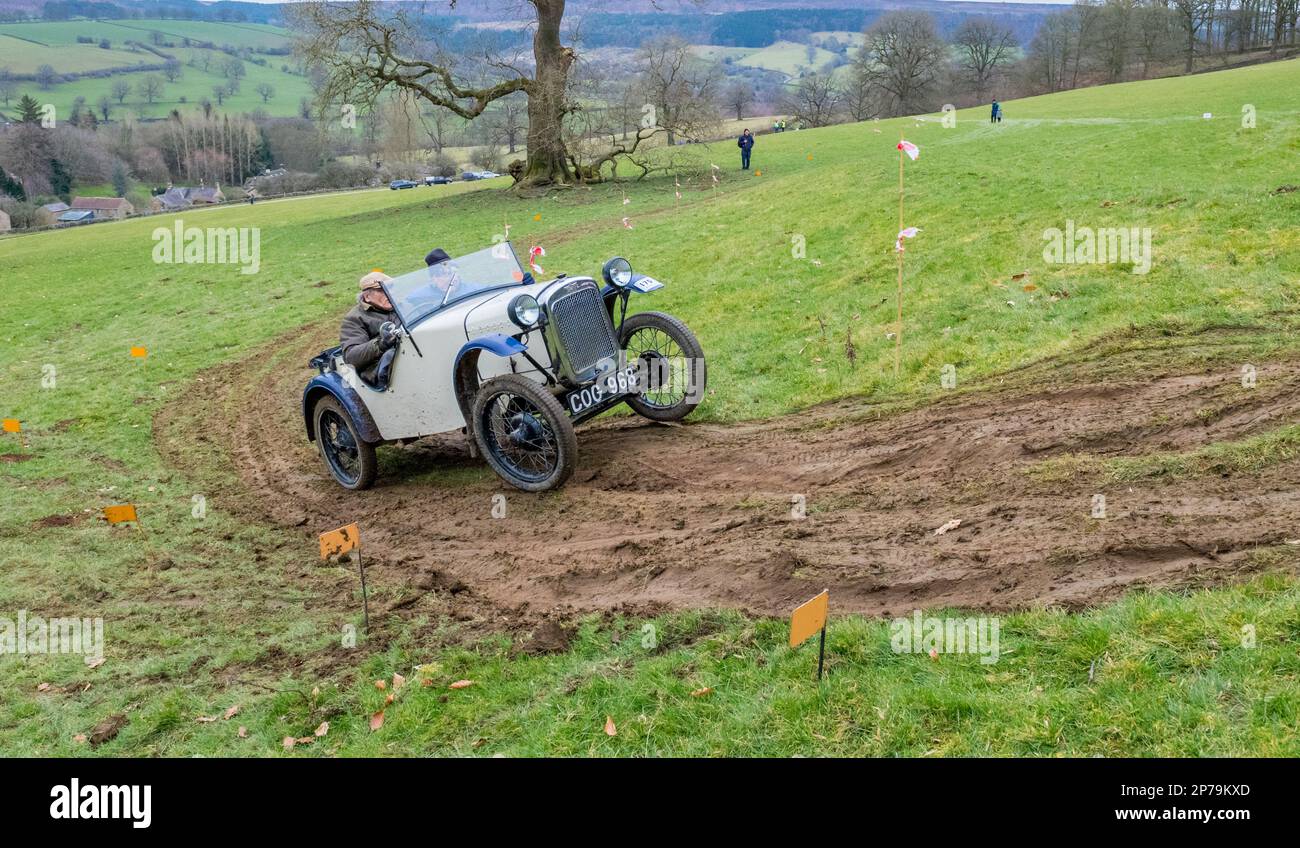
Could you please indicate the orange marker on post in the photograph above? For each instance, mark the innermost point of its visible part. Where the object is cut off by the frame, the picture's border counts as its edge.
(339, 542)
(12, 425)
(121, 513)
(139, 352)
(808, 618)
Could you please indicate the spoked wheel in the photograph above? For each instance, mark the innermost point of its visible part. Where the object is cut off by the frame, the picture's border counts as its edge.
(524, 433)
(350, 459)
(671, 362)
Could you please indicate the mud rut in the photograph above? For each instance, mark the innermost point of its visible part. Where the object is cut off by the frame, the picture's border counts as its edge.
(700, 515)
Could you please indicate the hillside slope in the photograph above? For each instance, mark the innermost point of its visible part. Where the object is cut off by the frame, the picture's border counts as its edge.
(208, 611)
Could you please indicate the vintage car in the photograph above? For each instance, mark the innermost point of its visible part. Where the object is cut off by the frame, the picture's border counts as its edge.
(513, 362)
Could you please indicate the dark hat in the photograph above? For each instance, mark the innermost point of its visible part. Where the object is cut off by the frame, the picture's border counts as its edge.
(435, 256)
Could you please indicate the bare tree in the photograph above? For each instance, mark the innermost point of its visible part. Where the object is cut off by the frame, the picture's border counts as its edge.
(365, 48)
(1049, 52)
(1115, 40)
(508, 122)
(1191, 16)
(438, 126)
(983, 45)
(859, 97)
(219, 92)
(681, 87)
(121, 89)
(1155, 31)
(46, 77)
(740, 96)
(7, 85)
(672, 95)
(151, 87)
(815, 100)
(903, 56)
(265, 90)
(172, 70)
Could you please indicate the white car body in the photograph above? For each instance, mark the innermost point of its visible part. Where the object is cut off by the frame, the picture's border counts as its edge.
(421, 398)
(478, 345)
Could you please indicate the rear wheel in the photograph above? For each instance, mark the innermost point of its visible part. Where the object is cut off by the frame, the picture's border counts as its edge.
(671, 362)
(524, 433)
(350, 459)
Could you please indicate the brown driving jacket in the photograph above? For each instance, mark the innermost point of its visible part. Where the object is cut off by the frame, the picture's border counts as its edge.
(359, 336)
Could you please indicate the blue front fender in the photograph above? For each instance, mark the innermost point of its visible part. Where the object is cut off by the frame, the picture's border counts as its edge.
(498, 343)
(331, 383)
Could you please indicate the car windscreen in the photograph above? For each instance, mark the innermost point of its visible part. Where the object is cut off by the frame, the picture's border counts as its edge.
(427, 290)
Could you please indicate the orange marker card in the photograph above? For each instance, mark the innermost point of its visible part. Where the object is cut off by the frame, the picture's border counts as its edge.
(120, 513)
(12, 425)
(808, 618)
(340, 541)
(139, 352)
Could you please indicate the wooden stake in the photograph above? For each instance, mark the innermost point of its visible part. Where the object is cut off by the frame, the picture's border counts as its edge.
(898, 330)
(365, 596)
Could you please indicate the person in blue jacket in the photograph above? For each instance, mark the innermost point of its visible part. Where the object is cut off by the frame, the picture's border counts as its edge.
(996, 115)
(746, 144)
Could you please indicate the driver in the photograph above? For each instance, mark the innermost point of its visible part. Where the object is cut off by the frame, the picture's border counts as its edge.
(370, 328)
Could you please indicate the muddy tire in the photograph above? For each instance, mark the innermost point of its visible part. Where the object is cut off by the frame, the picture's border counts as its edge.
(669, 356)
(350, 459)
(524, 433)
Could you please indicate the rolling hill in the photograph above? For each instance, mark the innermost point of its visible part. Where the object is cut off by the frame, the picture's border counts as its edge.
(136, 48)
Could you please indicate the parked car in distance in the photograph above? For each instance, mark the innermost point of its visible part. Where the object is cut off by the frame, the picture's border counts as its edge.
(437, 180)
(479, 175)
(396, 184)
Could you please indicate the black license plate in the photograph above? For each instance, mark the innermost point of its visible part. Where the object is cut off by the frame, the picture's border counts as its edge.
(614, 385)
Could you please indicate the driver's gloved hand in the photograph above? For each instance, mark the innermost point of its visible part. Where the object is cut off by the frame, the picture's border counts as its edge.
(388, 335)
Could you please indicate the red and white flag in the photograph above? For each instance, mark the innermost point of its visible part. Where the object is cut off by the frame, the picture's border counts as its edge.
(909, 232)
(533, 253)
(910, 149)
(627, 224)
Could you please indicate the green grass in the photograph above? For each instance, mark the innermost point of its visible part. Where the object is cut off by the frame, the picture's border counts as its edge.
(203, 615)
(1246, 456)
(58, 47)
(787, 57)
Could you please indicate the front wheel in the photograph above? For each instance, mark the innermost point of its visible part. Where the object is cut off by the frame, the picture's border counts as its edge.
(524, 433)
(671, 362)
(350, 459)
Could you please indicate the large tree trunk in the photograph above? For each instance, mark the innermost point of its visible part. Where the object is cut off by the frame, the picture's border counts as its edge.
(548, 162)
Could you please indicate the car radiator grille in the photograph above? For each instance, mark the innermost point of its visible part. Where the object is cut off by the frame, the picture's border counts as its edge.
(584, 329)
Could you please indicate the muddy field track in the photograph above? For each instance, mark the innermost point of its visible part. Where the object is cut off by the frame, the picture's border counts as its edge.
(700, 515)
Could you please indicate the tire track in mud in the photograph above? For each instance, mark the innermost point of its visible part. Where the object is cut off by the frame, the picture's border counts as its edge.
(699, 515)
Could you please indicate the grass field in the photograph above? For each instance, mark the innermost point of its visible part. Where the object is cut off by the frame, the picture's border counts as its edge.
(788, 57)
(205, 615)
(26, 46)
